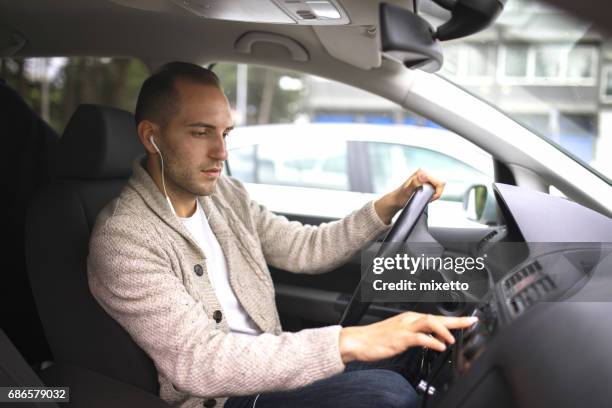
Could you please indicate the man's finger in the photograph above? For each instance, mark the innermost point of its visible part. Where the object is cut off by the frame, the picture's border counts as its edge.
(438, 185)
(441, 331)
(425, 340)
(439, 190)
(458, 322)
(413, 182)
(433, 324)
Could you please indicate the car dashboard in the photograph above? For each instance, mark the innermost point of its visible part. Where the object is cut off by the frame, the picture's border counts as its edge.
(545, 324)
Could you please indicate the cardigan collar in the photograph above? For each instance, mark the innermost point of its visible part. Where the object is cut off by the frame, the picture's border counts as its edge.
(145, 186)
(234, 241)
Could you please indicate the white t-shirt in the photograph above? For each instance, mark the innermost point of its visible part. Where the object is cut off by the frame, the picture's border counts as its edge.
(237, 318)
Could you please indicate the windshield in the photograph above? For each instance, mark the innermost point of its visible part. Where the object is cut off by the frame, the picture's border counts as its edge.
(547, 70)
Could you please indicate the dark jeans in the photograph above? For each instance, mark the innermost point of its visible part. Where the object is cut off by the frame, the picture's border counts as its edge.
(381, 384)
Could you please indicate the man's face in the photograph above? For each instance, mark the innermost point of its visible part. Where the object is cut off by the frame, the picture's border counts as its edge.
(193, 141)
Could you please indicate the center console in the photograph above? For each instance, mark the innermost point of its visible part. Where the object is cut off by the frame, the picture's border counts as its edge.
(523, 324)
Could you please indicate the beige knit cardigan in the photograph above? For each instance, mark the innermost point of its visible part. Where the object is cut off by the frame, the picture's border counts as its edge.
(149, 274)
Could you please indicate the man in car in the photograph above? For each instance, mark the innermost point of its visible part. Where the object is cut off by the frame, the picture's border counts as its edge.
(180, 259)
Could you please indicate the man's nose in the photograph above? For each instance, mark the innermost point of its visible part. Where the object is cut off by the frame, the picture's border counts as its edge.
(218, 151)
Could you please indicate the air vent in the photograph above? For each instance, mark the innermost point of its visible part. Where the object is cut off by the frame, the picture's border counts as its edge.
(531, 294)
(522, 274)
(486, 239)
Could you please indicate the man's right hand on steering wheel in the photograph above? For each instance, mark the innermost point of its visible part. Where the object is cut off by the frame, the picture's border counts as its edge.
(388, 205)
(394, 335)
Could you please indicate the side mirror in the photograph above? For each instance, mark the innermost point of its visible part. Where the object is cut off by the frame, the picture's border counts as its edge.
(475, 201)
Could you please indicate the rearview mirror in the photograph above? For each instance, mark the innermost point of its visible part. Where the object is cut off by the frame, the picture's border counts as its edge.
(467, 17)
(409, 38)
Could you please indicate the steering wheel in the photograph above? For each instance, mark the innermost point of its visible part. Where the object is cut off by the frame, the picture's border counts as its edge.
(402, 229)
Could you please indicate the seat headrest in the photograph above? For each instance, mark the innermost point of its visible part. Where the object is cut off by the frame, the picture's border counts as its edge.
(99, 143)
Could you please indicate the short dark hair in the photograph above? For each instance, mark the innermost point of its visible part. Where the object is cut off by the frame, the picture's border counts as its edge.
(157, 97)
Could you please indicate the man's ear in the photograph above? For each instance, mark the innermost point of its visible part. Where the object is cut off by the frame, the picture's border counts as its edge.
(147, 129)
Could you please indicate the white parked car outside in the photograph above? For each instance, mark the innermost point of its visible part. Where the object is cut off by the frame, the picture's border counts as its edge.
(346, 164)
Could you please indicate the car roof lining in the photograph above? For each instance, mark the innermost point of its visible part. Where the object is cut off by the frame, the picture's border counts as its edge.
(148, 29)
(147, 41)
(174, 33)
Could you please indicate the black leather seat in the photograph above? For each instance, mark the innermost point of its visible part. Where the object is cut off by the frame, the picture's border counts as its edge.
(86, 389)
(94, 160)
(27, 146)
(15, 371)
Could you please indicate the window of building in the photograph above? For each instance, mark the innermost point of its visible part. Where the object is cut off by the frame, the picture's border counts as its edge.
(606, 84)
(548, 60)
(581, 63)
(549, 64)
(516, 61)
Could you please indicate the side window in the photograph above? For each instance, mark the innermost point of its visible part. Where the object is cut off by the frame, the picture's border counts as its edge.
(310, 146)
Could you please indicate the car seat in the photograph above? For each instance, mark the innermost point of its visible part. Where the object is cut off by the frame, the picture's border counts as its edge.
(27, 147)
(94, 160)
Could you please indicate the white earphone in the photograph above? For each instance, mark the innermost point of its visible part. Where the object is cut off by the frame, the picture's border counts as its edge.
(162, 174)
(164, 183)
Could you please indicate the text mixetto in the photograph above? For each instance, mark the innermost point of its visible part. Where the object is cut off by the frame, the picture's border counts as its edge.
(406, 285)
